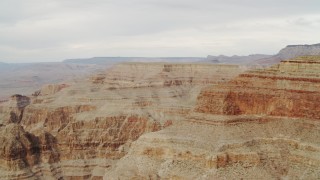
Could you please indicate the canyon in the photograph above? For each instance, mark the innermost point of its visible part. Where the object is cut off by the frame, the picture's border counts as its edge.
(81, 129)
(262, 124)
(25, 78)
(168, 121)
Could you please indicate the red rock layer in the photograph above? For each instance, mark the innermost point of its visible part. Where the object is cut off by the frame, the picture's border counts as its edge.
(78, 131)
(291, 88)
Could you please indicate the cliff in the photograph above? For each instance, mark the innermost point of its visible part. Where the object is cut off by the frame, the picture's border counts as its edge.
(168, 121)
(290, 89)
(80, 130)
(289, 52)
(263, 124)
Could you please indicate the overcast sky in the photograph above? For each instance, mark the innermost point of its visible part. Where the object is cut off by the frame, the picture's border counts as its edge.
(53, 30)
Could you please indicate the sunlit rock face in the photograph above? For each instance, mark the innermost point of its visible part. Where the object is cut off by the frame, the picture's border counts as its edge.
(81, 130)
(168, 121)
(12, 110)
(262, 124)
(290, 52)
(291, 88)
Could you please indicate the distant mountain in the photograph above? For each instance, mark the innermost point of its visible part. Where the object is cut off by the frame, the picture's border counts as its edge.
(96, 60)
(236, 59)
(114, 60)
(291, 51)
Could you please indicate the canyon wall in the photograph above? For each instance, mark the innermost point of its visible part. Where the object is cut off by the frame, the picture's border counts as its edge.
(81, 130)
(168, 121)
(290, 89)
(290, 52)
(263, 124)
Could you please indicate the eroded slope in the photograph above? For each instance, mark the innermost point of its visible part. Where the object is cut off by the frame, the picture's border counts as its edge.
(80, 130)
(264, 124)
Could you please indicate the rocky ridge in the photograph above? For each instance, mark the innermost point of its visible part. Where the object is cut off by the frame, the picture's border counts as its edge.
(263, 124)
(289, 52)
(290, 89)
(81, 130)
(169, 121)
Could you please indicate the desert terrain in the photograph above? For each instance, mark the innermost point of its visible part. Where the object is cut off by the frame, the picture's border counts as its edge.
(159, 90)
(146, 120)
(26, 78)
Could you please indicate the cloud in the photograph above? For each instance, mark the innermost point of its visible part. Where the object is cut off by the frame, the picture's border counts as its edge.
(53, 30)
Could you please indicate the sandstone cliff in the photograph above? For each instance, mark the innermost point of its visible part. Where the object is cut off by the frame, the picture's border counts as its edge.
(290, 89)
(291, 51)
(168, 121)
(80, 130)
(261, 125)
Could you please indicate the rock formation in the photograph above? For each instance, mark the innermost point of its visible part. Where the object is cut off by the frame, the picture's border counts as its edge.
(291, 88)
(289, 52)
(81, 130)
(263, 124)
(168, 121)
(51, 89)
(14, 109)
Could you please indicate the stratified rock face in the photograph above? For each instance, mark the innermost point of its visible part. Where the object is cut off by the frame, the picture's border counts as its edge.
(263, 124)
(137, 75)
(292, 51)
(82, 129)
(14, 147)
(21, 151)
(225, 147)
(20, 101)
(51, 89)
(12, 111)
(169, 121)
(291, 88)
(289, 52)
